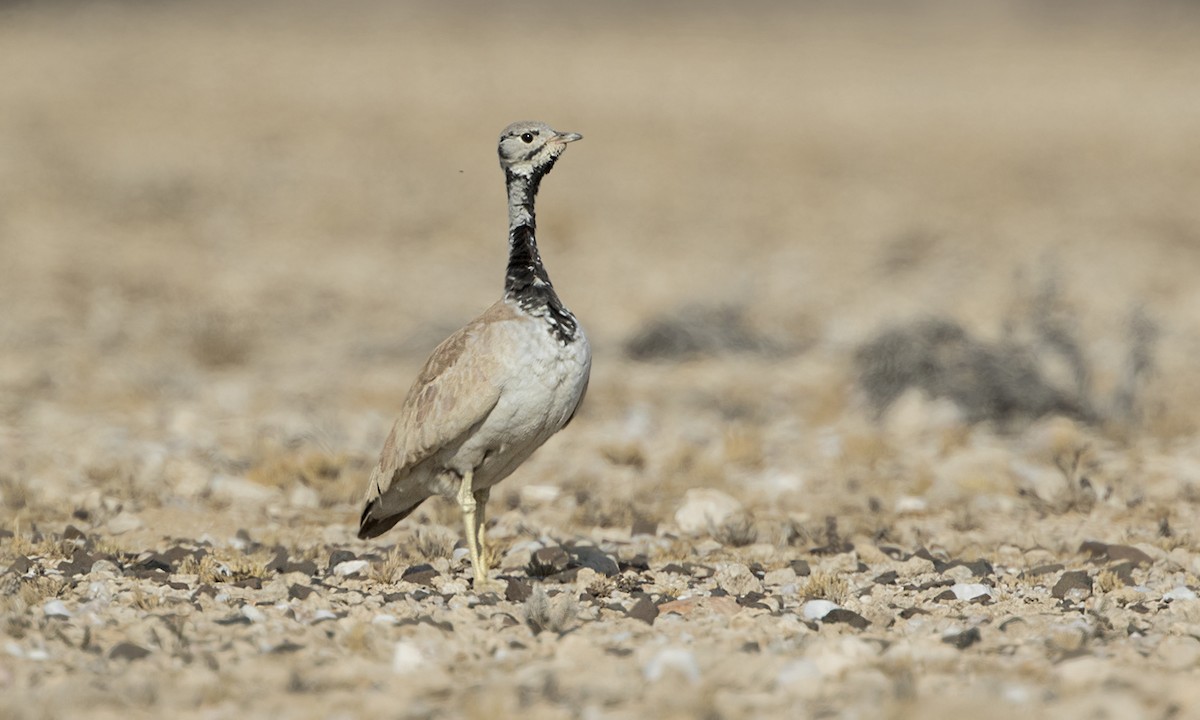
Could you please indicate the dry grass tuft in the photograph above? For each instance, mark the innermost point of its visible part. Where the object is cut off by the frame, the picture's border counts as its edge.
(541, 612)
(388, 570)
(738, 530)
(1107, 581)
(434, 541)
(826, 586)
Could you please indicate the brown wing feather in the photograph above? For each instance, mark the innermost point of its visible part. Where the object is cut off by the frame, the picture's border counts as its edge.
(452, 394)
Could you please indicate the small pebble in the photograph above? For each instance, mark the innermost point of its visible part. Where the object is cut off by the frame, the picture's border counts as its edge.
(350, 567)
(817, 609)
(56, 608)
(970, 591)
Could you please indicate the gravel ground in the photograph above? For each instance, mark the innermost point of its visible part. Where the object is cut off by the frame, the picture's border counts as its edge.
(893, 404)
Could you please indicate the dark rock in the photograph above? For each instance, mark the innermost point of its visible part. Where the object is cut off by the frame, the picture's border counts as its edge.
(1095, 549)
(906, 613)
(1130, 554)
(593, 557)
(697, 570)
(931, 584)
(278, 563)
(675, 568)
(127, 651)
(849, 617)
(938, 564)
(287, 646)
(177, 554)
(893, 552)
(1072, 580)
(79, 564)
(153, 574)
(718, 592)
(73, 533)
(566, 576)
(833, 549)
(205, 589)
(177, 585)
(751, 647)
(979, 568)
(644, 610)
(20, 564)
(420, 574)
(638, 562)
(154, 562)
(547, 561)
(945, 595)
(235, 619)
(304, 567)
(886, 578)
(1043, 570)
(337, 557)
(964, 639)
(250, 583)
(1124, 571)
(753, 600)
(488, 599)
(518, 590)
(801, 568)
(445, 625)
(389, 598)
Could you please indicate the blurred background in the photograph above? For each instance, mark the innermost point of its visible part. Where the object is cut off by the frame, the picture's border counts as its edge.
(905, 275)
(230, 234)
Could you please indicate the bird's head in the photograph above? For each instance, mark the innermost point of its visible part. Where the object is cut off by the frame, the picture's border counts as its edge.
(531, 148)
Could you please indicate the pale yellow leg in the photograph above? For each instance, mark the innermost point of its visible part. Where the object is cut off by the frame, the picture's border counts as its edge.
(481, 500)
(471, 514)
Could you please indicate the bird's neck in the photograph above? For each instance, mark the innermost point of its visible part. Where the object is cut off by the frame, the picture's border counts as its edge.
(526, 274)
(526, 283)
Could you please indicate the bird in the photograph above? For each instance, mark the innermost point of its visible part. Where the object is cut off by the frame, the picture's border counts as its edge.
(494, 391)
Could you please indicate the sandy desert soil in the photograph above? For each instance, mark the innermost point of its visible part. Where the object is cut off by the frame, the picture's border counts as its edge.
(230, 236)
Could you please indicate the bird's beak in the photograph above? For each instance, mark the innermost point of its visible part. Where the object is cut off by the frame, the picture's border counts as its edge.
(566, 137)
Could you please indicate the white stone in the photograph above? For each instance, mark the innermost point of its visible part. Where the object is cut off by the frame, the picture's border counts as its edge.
(703, 509)
(383, 619)
(1181, 592)
(672, 661)
(817, 609)
(320, 615)
(253, 614)
(407, 658)
(350, 567)
(56, 608)
(970, 591)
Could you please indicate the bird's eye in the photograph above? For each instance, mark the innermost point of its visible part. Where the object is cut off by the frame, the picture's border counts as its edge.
(527, 137)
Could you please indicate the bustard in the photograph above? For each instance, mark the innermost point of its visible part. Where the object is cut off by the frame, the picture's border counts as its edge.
(497, 389)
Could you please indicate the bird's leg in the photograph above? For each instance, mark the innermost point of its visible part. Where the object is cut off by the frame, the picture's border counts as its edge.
(481, 500)
(466, 501)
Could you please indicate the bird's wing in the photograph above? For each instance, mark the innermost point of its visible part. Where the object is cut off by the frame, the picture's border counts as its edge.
(454, 392)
